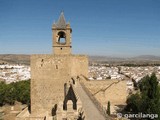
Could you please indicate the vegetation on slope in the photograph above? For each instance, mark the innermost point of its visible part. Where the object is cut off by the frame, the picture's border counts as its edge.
(19, 91)
(147, 100)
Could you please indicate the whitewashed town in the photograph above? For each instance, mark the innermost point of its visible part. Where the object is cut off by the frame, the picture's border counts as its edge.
(13, 73)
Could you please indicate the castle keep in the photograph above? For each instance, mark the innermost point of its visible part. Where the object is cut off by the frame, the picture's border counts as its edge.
(59, 83)
(50, 74)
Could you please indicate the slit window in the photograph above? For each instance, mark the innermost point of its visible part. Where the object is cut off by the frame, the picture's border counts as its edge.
(56, 66)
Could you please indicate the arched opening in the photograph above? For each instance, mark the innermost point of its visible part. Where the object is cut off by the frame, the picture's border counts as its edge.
(61, 38)
(70, 96)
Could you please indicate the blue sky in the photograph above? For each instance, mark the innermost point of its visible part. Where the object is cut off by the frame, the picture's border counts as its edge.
(121, 28)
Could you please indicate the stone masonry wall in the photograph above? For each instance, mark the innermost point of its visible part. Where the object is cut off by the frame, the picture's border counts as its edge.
(49, 73)
(108, 90)
(79, 65)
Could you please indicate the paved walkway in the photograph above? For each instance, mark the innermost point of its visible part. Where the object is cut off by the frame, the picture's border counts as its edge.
(91, 111)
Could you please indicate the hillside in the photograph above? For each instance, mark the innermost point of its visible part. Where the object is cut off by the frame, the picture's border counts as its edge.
(25, 59)
(15, 59)
(143, 59)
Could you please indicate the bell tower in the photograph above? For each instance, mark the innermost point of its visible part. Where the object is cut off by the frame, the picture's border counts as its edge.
(49, 75)
(61, 36)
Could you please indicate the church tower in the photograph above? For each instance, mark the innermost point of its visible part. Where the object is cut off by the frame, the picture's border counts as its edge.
(61, 36)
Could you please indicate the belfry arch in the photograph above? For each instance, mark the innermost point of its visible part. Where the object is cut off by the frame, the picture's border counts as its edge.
(61, 38)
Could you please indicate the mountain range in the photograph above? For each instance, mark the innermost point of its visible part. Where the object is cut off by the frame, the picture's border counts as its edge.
(25, 59)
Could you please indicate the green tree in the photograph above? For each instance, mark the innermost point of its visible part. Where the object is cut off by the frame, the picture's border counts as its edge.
(2, 93)
(10, 94)
(148, 99)
(23, 91)
(133, 103)
(19, 91)
(108, 108)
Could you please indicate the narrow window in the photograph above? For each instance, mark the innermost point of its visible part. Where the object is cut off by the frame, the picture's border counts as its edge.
(56, 66)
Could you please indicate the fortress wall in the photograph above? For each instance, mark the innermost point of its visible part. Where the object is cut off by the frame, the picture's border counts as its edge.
(79, 65)
(49, 73)
(116, 93)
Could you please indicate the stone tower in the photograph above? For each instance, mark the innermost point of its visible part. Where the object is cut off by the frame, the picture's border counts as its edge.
(61, 36)
(50, 72)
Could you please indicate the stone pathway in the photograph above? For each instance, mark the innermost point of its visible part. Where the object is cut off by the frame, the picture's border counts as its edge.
(91, 111)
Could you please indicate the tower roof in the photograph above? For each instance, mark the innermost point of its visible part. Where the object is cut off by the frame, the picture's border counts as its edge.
(61, 22)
